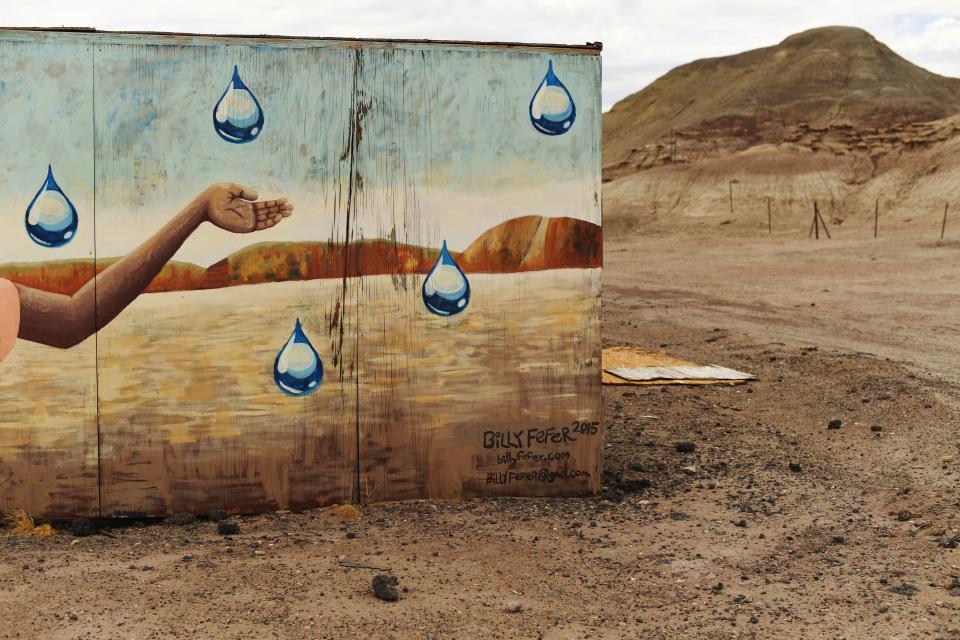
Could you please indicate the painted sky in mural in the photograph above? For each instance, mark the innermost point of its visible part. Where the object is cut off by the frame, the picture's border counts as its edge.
(486, 165)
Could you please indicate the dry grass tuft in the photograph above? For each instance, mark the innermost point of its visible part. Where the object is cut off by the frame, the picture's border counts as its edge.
(347, 512)
(22, 524)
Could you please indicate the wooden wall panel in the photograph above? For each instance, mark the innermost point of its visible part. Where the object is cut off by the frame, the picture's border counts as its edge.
(48, 399)
(503, 398)
(190, 415)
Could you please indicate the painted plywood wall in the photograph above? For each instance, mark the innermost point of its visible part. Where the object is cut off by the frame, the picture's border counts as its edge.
(383, 277)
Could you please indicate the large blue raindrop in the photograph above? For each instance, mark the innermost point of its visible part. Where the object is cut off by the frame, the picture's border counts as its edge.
(446, 290)
(552, 110)
(298, 369)
(51, 218)
(237, 117)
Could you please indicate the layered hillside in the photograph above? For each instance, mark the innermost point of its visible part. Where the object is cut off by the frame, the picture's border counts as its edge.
(828, 115)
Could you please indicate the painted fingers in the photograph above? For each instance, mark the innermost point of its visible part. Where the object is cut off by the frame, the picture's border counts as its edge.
(270, 212)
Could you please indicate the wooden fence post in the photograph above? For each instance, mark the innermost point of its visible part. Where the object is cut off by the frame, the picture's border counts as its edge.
(876, 217)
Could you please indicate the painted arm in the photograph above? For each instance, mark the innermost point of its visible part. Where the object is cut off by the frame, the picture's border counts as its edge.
(64, 321)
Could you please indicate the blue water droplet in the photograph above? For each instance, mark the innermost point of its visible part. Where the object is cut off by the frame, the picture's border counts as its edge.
(237, 117)
(51, 218)
(446, 290)
(552, 110)
(298, 369)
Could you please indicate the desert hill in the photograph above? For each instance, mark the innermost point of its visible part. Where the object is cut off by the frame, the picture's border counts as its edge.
(829, 114)
(827, 76)
(528, 243)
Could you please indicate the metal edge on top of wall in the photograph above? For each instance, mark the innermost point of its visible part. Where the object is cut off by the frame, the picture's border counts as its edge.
(589, 48)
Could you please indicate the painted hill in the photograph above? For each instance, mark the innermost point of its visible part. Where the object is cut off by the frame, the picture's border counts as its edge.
(67, 276)
(532, 243)
(822, 77)
(522, 244)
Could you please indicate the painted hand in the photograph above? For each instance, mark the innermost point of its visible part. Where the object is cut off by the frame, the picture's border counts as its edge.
(236, 209)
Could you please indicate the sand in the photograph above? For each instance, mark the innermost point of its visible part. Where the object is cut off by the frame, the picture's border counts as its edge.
(775, 526)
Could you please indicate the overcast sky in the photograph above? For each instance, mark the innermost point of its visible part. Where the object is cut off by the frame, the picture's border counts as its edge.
(642, 38)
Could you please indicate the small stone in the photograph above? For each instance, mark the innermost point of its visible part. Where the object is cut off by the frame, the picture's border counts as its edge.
(904, 515)
(686, 447)
(227, 528)
(71, 615)
(740, 523)
(876, 428)
(795, 467)
(837, 540)
(181, 519)
(385, 587)
(514, 606)
(217, 515)
(835, 424)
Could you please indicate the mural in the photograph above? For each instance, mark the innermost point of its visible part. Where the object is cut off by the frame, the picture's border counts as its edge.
(391, 291)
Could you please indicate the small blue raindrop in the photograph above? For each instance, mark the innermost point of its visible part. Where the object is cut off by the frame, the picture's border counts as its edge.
(552, 110)
(237, 117)
(446, 290)
(298, 369)
(51, 218)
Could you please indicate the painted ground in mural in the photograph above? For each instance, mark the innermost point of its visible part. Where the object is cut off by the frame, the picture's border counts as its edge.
(211, 405)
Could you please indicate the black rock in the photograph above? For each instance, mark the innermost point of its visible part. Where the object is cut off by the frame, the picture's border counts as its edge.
(876, 428)
(837, 540)
(950, 543)
(181, 519)
(835, 424)
(686, 447)
(795, 467)
(905, 589)
(634, 485)
(82, 527)
(217, 515)
(227, 528)
(904, 515)
(385, 587)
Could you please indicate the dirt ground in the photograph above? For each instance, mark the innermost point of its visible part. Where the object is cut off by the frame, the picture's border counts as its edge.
(774, 526)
